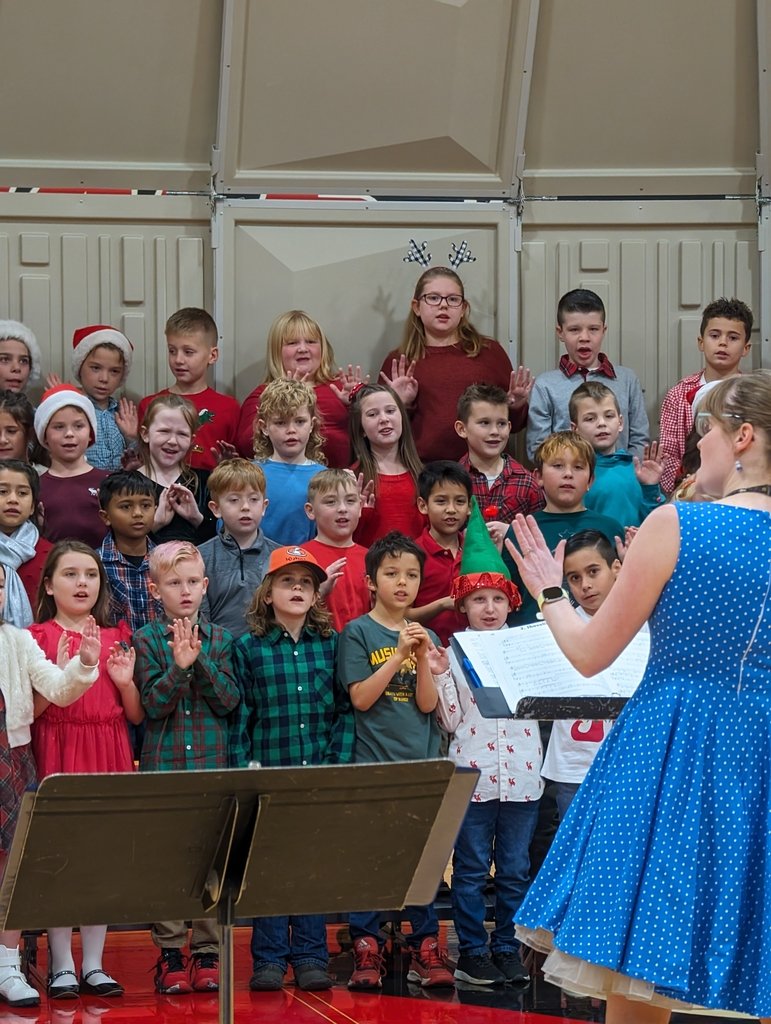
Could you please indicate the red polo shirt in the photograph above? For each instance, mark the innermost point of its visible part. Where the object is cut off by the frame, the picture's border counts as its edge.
(441, 568)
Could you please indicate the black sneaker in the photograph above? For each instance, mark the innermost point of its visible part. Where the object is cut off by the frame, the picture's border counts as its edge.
(478, 970)
(312, 978)
(267, 978)
(511, 967)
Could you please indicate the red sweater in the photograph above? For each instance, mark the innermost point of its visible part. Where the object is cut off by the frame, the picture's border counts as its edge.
(395, 509)
(221, 423)
(350, 596)
(443, 374)
(334, 425)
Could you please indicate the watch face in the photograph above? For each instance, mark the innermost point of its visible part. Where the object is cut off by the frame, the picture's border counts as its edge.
(552, 593)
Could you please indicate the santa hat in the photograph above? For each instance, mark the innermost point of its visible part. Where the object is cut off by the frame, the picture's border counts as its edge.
(12, 329)
(59, 398)
(86, 339)
(481, 564)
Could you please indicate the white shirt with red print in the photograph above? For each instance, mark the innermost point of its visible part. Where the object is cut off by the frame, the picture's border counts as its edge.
(507, 751)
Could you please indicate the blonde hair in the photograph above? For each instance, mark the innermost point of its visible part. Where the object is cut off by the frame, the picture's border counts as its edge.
(560, 441)
(329, 481)
(414, 341)
(294, 324)
(364, 459)
(189, 411)
(235, 475)
(261, 616)
(166, 557)
(192, 320)
(745, 398)
(282, 398)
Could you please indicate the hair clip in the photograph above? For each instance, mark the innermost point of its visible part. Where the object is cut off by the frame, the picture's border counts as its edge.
(417, 254)
(460, 255)
(355, 390)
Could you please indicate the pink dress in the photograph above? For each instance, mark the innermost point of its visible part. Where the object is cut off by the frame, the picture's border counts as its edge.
(90, 735)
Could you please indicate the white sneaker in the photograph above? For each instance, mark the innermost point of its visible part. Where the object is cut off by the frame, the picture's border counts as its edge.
(13, 985)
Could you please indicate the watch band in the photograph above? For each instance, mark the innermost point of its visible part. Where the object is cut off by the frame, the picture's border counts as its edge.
(550, 595)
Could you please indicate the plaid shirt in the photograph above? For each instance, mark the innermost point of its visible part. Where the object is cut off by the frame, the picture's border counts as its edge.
(109, 446)
(515, 490)
(604, 367)
(297, 713)
(130, 597)
(675, 424)
(188, 720)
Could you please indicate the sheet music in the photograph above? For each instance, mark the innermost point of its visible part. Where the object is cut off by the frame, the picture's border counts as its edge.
(525, 661)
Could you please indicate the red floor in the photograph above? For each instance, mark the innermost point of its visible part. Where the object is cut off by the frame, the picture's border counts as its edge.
(130, 957)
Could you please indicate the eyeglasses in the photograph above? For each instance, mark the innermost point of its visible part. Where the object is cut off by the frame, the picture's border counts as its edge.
(432, 299)
(703, 420)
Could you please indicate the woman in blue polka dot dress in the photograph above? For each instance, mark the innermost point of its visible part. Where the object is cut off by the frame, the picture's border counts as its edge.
(657, 890)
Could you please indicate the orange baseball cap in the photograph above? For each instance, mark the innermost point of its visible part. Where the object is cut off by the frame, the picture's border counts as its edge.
(295, 555)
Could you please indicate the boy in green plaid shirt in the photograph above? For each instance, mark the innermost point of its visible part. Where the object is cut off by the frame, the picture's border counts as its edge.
(184, 672)
(297, 714)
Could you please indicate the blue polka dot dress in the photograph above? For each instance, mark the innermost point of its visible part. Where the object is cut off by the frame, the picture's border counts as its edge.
(658, 885)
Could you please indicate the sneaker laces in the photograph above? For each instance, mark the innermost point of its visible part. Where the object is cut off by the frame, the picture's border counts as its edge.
(172, 958)
(206, 959)
(432, 955)
(367, 958)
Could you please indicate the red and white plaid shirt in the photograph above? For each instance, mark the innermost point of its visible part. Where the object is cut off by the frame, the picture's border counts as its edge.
(675, 423)
(514, 490)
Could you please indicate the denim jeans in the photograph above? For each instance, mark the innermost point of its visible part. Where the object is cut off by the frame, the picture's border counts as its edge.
(423, 921)
(272, 943)
(563, 794)
(500, 833)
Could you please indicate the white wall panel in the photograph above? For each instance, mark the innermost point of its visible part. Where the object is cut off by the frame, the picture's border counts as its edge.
(655, 266)
(128, 261)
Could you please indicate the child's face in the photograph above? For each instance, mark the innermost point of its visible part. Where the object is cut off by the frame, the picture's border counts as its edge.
(381, 419)
(16, 501)
(582, 335)
(565, 481)
(68, 434)
(723, 344)
(301, 355)
(600, 423)
(168, 438)
(15, 365)
(240, 511)
(441, 320)
(397, 581)
(486, 430)
(190, 356)
(13, 438)
(74, 584)
(101, 373)
(590, 577)
(336, 514)
(486, 608)
(293, 593)
(130, 516)
(181, 588)
(447, 508)
(289, 434)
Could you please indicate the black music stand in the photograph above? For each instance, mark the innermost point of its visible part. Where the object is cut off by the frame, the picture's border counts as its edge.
(132, 848)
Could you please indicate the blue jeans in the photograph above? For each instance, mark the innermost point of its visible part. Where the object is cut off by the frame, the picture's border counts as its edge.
(500, 833)
(563, 794)
(423, 921)
(271, 942)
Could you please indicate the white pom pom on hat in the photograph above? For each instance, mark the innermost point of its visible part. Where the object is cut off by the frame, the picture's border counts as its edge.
(14, 330)
(59, 398)
(86, 339)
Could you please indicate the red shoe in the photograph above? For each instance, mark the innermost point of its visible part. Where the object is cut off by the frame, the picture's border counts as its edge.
(429, 965)
(205, 972)
(368, 967)
(171, 973)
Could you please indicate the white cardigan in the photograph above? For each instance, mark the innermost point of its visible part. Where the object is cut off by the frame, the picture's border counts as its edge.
(23, 666)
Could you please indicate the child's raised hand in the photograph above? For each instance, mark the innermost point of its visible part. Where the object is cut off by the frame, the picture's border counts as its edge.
(419, 637)
(438, 659)
(91, 644)
(130, 460)
(347, 380)
(301, 375)
(185, 645)
(497, 530)
(63, 651)
(402, 379)
(405, 645)
(622, 546)
(520, 385)
(53, 380)
(126, 419)
(335, 571)
(648, 470)
(223, 450)
(164, 513)
(366, 491)
(120, 664)
(182, 501)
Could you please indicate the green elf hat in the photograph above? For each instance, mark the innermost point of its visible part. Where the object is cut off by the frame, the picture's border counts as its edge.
(481, 564)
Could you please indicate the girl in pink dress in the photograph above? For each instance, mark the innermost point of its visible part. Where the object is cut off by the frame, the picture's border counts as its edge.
(88, 736)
